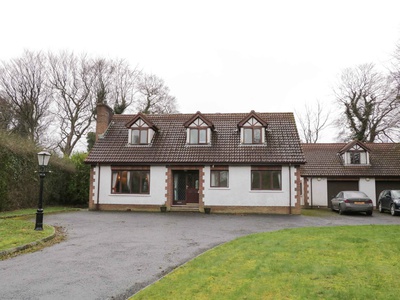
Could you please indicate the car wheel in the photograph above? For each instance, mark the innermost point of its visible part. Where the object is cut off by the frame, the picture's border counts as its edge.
(380, 207)
(392, 211)
(340, 210)
(369, 213)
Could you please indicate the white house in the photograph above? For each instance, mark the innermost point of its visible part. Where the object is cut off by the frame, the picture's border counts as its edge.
(235, 162)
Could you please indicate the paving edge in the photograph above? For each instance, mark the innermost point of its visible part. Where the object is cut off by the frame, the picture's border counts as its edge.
(29, 245)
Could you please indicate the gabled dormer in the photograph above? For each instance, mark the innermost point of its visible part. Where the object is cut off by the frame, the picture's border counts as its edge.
(198, 130)
(141, 130)
(252, 129)
(355, 153)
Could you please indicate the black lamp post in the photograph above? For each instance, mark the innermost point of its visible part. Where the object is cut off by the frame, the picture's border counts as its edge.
(43, 158)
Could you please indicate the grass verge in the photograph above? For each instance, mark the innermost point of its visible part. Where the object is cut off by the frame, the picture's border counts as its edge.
(317, 212)
(349, 262)
(18, 235)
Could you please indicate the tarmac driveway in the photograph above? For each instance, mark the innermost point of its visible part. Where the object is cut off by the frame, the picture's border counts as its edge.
(111, 255)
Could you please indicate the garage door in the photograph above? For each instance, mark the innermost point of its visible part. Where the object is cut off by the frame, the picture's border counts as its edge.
(334, 187)
(386, 185)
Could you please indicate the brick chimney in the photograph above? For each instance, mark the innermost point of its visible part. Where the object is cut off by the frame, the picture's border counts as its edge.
(104, 115)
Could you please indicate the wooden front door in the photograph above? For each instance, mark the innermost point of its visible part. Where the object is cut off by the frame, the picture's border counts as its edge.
(186, 187)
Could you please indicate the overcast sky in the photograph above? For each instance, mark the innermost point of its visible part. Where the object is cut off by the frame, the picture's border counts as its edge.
(216, 56)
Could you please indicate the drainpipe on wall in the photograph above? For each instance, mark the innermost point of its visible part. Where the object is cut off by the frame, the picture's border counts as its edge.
(311, 191)
(290, 190)
(98, 189)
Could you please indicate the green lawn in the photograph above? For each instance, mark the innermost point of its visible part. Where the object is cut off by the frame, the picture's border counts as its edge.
(348, 262)
(14, 232)
(17, 230)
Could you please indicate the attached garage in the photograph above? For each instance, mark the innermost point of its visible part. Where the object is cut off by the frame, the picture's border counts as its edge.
(386, 184)
(335, 186)
(334, 167)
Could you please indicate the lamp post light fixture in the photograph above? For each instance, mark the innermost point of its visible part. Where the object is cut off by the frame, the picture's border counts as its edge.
(43, 159)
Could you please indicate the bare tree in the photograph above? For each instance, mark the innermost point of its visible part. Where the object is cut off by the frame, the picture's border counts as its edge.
(23, 85)
(154, 96)
(79, 83)
(115, 83)
(71, 79)
(313, 122)
(370, 104)
(68, 87)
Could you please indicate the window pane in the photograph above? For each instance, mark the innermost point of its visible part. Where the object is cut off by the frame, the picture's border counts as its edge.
(194, 136)
(124, 182)
(276, 180)
(115, 183)
(255, 180)
(143, 136)
(257, 135)
(223, 178)
(203, 136)
(355, 158)
(135, 182)
(248, 135)
(135, 136)
(145, 182)
(266, 180)
(214, 178)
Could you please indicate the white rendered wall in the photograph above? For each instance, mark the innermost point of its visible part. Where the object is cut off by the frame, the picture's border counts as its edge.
(157, 189)
(319, 192)
(367, 185)
(239, 192)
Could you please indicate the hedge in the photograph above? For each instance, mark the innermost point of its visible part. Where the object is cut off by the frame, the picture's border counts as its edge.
(65, 184)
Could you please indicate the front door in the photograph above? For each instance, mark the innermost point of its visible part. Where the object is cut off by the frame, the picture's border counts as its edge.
(186, 187)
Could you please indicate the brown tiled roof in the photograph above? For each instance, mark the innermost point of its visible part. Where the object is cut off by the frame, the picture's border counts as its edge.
(169, 143)
(323, 160)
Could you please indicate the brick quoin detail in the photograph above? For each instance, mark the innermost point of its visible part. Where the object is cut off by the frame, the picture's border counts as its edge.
(92, 187)
(305, 192)
(298, 187)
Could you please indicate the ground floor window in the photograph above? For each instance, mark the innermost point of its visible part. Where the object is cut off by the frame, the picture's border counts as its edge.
(219, 178)
(130, 182)
(266, 179)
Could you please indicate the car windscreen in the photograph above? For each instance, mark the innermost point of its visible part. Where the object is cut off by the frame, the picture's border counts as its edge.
(354, 195)
(396, 194)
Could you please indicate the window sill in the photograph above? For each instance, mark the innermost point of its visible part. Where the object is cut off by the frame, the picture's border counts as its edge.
(197, 145)
(138, 145)
(129, 195)
(266, 191)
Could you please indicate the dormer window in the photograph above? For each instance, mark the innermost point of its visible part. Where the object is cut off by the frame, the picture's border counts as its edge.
(198, 130)
(139, 135)
(355, 153)
(252, 130)
(252, 135)
(198, 135)
(141, 130)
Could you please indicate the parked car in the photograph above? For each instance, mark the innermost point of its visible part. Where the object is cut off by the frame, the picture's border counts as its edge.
(389, 200)
(352, 201)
